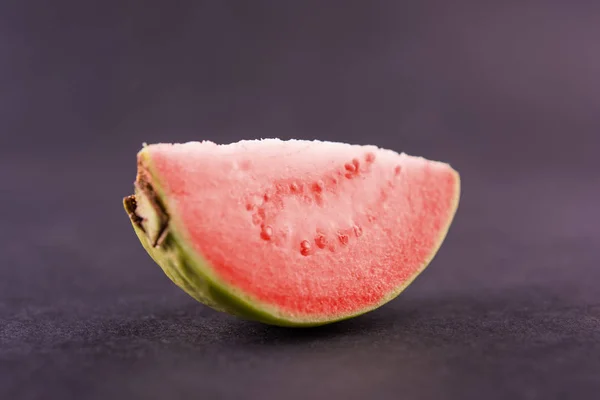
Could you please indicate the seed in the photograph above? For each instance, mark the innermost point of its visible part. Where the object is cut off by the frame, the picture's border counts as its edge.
(266, 232)
(321, 241)
(318, 186)
(343, 238)
(305, 248)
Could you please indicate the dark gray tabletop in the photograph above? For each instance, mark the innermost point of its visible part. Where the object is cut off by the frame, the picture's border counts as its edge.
(507, 92)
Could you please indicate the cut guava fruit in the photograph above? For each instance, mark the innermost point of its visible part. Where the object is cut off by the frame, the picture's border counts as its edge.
(291, 233)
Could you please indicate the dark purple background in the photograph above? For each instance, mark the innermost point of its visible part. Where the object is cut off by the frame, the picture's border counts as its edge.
(507, 92)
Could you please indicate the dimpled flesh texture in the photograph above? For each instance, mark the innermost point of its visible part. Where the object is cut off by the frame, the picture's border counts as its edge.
(312, 228)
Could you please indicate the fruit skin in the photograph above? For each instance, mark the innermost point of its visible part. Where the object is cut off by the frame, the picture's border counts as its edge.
(189, 273)
(193, 274)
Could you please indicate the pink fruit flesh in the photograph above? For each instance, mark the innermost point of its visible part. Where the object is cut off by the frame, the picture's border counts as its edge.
(311, 228)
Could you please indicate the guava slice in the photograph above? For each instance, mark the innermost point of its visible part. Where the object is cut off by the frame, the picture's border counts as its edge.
(291, 233)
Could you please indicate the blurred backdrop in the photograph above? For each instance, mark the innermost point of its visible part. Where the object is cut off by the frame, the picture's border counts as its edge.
(507, 92)
(487, 81)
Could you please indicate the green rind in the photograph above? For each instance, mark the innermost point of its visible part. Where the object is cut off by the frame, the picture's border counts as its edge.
(188, 275)
(193, 274)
